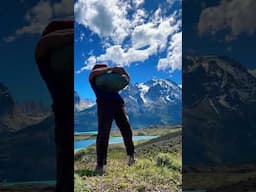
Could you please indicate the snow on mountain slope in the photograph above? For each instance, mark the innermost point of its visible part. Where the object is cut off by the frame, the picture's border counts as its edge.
(81, 104)
(155, 102)
(156, 91)
(219, 107)
(221, 79)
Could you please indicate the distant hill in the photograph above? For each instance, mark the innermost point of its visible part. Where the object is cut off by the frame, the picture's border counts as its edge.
(158, 167)
(155, 102)
(28, 154)
(27, 147)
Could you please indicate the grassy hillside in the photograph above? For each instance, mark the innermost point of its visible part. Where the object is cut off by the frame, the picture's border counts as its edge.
(158, 167)
(222, 178)
(29, 153)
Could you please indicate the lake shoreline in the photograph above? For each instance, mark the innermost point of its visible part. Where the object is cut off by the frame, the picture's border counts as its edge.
(83, 144)
(154, 130)
(158, 167)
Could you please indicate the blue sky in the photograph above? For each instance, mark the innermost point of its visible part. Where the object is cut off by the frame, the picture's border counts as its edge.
(225, 28)
(22, 23)
(142, 36)
(20, 33)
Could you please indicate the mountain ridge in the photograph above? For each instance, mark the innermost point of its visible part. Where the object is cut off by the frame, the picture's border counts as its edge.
(218, 111)
(81, 103)
(143, 103)
(15, 116)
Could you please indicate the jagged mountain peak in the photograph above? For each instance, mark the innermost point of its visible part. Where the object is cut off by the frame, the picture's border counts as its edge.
(16, 116)
(218, 78)
(154, 102)
(81, 103)
(208, 63)
(161, 82)
(219, 99)
(153, 90)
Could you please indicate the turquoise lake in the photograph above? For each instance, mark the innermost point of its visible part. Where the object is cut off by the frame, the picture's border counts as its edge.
(86, 143)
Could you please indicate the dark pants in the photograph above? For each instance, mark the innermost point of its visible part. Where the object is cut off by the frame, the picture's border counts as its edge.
(107, 112)
(64, 138)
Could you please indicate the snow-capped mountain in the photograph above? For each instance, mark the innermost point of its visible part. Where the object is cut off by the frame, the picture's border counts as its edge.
(219, 80)
(15, 116)
(155, 102)
(219, 107)
(156, 91)
(81, 104)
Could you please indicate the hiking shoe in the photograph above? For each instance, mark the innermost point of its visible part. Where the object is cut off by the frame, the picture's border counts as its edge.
(131, 160)
(99, 170)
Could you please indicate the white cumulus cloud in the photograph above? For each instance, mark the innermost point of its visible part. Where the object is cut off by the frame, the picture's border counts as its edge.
(105, 18)
(138, 3)
(236, 16)
(154, 33)
(40, 15)
(173, 61)
(89, 63)
(124, 57)
(148, 33)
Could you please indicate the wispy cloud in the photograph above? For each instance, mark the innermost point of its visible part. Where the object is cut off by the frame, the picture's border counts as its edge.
(171, 2)
(40, 15)
(235, 16)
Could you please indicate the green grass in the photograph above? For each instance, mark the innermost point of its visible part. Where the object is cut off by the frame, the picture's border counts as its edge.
(214, 177)
(158, 167)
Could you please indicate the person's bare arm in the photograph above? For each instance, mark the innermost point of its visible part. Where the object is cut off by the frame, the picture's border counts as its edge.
(53, 40)
(98, 72)
(120, 70)
(102, 70)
